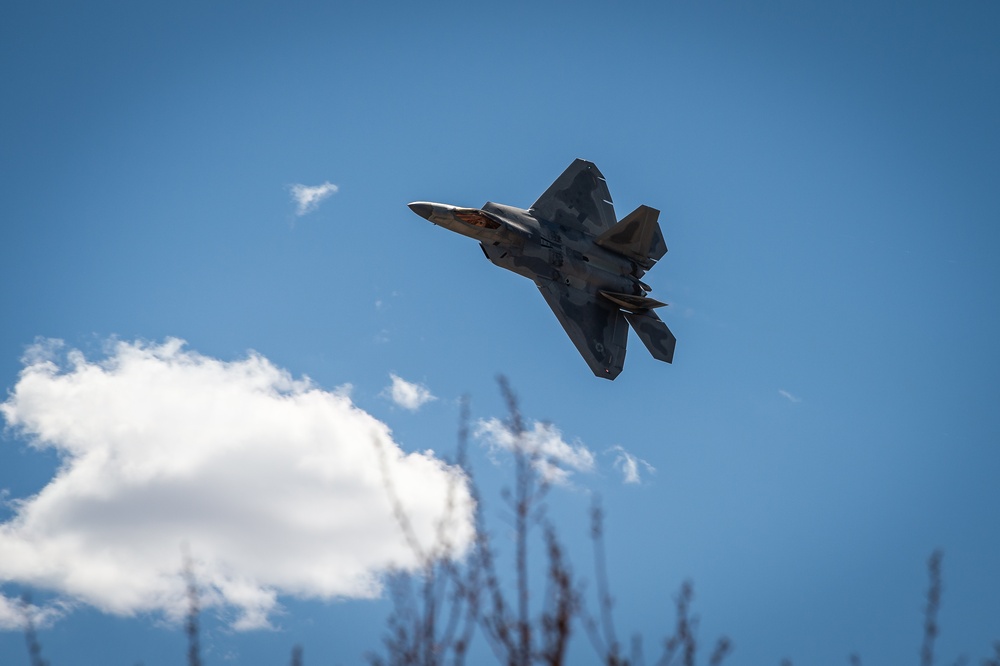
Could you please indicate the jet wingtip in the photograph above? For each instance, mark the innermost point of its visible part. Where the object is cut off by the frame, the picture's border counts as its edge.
(608, 373)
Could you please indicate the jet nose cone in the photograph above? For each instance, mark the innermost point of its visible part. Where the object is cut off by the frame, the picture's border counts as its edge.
(422, 209)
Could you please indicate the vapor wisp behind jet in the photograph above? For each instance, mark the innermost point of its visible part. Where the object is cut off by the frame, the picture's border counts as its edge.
(588, 265)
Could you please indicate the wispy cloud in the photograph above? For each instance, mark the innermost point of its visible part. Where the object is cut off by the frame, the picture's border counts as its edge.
(554, 458)
(15, 613)
(308, 197)
(406, 394)
(273, 484)
(791, 398)
(629, 465)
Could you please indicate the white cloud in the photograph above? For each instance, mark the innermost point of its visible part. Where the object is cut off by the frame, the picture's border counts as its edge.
(272, 484)
(308, 198)
(13, 614)
(555, 459)
(407, 394)
(791, 398)
(629, 465)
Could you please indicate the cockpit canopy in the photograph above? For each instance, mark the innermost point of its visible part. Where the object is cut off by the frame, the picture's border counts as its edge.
(476, 218)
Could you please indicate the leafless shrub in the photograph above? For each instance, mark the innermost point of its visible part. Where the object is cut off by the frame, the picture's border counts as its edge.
(682, 644)
(436, 611)
(469, 592)
(603, 636)
(512, 634)
(562, 602)
(433, 625)
(931, 627)
(516, 634)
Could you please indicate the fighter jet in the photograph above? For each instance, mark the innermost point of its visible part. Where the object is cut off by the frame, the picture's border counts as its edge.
(588, 265)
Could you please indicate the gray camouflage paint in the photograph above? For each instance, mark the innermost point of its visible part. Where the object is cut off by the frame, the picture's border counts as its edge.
(587, 266)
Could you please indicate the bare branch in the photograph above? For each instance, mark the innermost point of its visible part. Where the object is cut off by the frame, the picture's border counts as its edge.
(611, 653)
(562, 605)
(933, 605)
(191, 625)
(30, 635)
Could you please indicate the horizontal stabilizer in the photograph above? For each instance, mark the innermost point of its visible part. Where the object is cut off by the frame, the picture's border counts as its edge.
(654, 334)
(632, 302)
(637, 237)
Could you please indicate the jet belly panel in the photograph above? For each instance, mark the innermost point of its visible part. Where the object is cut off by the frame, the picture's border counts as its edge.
(519, 257)
(569, 261)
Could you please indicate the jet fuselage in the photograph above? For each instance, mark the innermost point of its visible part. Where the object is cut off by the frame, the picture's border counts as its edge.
(514, 239)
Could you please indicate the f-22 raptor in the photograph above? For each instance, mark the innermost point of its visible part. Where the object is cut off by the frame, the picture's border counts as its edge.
(588, 265)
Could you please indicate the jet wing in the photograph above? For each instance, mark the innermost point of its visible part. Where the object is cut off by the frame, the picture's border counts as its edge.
(579, 199)
(595, 325)
(654, 334)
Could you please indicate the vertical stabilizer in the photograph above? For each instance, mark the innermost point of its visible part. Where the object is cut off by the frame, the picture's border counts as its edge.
(637, 237)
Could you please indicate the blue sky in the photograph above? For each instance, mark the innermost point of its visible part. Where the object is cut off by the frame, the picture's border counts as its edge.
(826, 175)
